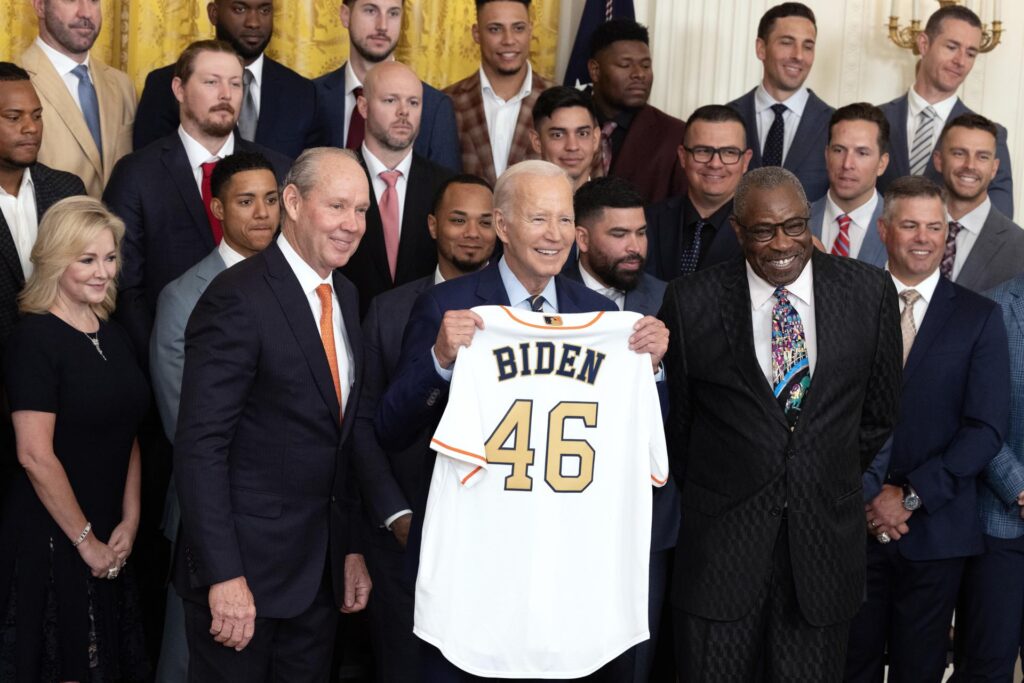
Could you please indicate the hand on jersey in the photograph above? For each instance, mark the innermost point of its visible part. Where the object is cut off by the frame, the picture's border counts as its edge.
(650, 336)
(457, 329)
(357, 584)
(886, 513)
(234, 613)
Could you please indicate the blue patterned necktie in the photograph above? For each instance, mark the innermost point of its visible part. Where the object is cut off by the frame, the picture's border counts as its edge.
(90, 105)
(791, 373)
(537, 304)
(691, 256)
(775, 141)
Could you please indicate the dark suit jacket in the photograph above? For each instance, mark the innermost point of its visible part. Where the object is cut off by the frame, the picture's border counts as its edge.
(648, 157)
(288, 121)
(259, 460)
(665, 243)
(477, 156)
(1001, 189)
(438, 139)
(806, 157)
(954, 415)
(166, 228)
(997, 254)
(50, 187)
(739, 465)
(417, 252)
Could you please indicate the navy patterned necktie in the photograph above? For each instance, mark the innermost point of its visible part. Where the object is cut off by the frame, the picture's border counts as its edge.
(775, 141)
(688, 264)
(791, 372)
(537, 304)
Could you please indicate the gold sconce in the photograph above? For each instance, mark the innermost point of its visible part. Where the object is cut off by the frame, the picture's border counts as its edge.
(906, 36)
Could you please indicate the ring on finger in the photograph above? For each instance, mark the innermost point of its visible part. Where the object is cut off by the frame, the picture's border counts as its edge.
(874, 524)
(883, 538)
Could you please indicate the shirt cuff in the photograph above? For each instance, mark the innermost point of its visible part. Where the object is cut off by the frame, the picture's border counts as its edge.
(444, 374)
(660, 375)
(391, 520)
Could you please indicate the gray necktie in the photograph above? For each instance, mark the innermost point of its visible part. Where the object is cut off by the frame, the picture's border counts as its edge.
(247, 117)
(921, 150)
(907, 325)
(90, 105)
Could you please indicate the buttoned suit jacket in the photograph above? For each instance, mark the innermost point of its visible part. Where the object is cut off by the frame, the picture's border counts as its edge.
(997, 254)
(665, 242)
(806, 156)
(288, 121)
(471, 119)
(167, 231)
(261, 463)
(738, 463)
(67, 143)
(648, 157)
(438, 137)
(417, 252)
(871, 249)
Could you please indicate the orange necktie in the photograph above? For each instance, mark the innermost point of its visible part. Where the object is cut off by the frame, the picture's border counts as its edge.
(327, 337)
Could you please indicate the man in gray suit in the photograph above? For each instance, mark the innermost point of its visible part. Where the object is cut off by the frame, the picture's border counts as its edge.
(983, 247)
(245, 200)
(846, 218)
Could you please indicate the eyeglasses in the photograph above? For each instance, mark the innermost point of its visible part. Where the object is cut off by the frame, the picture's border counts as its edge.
(765, 232)
(704, 155)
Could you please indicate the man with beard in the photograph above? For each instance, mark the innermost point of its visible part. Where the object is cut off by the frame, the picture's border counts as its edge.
(611, 235)
(397, 247)
(494, 106)
(565, 132)
(88, 107)
(373, 27)
(284, 120)
(162, 192)
(984, 248)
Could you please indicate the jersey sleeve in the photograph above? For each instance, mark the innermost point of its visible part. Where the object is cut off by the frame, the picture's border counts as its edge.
(656, 431)
(459, 436)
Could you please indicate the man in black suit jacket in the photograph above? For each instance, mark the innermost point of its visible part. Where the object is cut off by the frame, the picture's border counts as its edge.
(157, 191)
(271, 382)
(784, 372)
(391, 104)
(282, 111)
(941, 71)
(787, 124)
(691, 232)
(394, 482)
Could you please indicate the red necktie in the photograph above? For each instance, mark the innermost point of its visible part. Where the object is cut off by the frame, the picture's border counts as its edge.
(606, 144)
(207, 197)
(841, 247)
(356, 124)
(389, 218)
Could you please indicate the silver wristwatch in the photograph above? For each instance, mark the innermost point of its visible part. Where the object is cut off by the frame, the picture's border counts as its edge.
(911, 501)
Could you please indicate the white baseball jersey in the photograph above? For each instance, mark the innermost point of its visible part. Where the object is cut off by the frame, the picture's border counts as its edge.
(537, 533)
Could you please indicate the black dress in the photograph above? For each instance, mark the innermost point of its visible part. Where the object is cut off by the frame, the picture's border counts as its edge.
(56, 621)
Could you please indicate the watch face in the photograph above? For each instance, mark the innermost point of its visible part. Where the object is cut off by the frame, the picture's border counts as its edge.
(912, 502)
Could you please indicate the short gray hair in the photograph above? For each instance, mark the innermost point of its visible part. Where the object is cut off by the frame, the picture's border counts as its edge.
(505, 188)
(765, 178)
(910, 187)
(304, 172)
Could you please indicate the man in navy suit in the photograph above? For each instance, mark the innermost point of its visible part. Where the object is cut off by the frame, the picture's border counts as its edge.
(272, 373)
(162, 192)
(394, 482)
(278, 105)
(373, 28)
(924, 523)
(533, 216)
(846, 218)
(787, 124)
(948, 45)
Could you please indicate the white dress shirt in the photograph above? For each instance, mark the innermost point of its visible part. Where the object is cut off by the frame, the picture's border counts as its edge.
(256, 69)
(915, 105)
(230, 257)
(926, 288)
(762, 301)
(617, 296)
(972, 224)
(351, 83)
(860, 223)
(502, 116)
(309, 280)
(64, 65)
(22, 219)
(791, 117)
(438, 278)
(199, 155)
(375, 166)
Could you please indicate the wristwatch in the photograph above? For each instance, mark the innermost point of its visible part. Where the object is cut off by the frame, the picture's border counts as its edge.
(911, 501)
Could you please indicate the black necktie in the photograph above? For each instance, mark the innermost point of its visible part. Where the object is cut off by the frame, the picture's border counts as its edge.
(537, 304)
(773, 144)
(691, 256)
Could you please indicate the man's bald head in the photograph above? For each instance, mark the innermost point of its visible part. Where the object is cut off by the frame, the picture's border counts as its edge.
(391, 103)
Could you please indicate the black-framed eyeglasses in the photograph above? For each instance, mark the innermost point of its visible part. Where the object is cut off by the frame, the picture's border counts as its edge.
(703, 154)
(764, 232)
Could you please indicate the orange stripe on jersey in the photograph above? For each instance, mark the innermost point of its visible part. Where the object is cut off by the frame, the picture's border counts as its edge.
(549, 327)
(442, 444)
(470, 475)
(659, 482)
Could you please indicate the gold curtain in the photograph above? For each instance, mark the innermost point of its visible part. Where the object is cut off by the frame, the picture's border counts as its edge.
(141, 35)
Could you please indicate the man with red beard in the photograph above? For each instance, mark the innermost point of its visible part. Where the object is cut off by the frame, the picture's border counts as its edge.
(162, 192)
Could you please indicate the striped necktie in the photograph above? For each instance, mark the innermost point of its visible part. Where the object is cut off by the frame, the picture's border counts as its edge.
(921, 150)
(841, 247)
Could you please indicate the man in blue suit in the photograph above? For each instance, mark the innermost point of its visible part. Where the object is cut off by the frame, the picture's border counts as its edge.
(373, 28)
(394, 482)
(846, 218)
(533, 216)
(948, 45)
(278, 105)
(787, 124)
(924, 524)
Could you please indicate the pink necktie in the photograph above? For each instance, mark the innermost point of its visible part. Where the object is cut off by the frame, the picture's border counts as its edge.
(841, 247)
(606, 144)
(389, 218)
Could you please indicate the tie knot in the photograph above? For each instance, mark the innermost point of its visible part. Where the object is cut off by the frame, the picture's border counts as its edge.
(782, 295)
(608, 127)
(81, 72)
(928, 113)
(390, 177)
(247, 77)
(357, 91)
(537, 303)
(779, 109)
(324, 293)
(208, 167)
(844, 220)
(910, 296)
(954, 230)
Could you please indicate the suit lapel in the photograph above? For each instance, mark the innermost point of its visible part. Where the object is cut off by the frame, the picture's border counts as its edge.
(899, 154)
(985, 248)
(268, 117)
(749, 116)
(939, 310)
(813, 118)
(1017, 307)
(828, 302)
(415, 238)
(109, 103)
(491, 290)
(373, 240)
(350, 318)
(178, 170)
(520, 149)
(477, 131)
(872, 250)
(9, 252)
